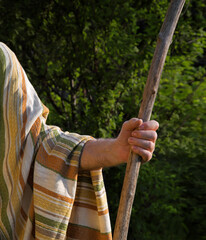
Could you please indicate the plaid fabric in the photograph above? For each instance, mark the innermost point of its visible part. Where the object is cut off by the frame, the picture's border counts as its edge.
(43, 194)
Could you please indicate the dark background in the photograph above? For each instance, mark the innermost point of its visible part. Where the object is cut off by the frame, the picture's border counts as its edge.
(89, 60)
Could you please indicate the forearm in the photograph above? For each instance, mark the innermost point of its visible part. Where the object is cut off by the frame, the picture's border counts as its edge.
(99, 153)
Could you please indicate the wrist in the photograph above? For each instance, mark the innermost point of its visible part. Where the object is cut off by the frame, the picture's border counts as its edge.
(115, 154)
(107, 156)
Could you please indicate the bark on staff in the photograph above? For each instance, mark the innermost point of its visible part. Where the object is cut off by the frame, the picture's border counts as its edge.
(129, 186)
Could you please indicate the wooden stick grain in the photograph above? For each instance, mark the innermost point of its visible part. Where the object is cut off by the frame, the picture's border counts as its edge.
(134, 162)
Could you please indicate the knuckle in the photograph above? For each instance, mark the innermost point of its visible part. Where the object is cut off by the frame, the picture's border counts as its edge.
(133, 119)
(155, 123)
(154, 137)
(124, 125)
(150, 156)
(147, 156)
(150, 146)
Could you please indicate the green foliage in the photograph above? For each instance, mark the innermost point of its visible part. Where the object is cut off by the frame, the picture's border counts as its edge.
(89, 60)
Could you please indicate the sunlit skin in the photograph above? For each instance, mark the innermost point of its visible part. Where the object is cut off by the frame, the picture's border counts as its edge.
(134, 135)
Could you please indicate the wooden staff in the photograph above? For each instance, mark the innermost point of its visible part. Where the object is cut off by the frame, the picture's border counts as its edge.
(132, 171)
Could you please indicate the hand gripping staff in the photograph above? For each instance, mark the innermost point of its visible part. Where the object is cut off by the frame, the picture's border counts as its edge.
(132, 171)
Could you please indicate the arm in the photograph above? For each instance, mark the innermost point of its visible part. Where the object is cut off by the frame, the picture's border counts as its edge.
(135, 135)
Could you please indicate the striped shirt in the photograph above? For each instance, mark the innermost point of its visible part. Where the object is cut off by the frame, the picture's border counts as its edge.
(43, 193)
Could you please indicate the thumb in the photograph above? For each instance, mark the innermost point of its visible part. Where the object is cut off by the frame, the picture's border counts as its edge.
(132, 124)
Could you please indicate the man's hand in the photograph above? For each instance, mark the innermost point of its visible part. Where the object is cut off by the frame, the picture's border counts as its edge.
(135, 135)
(139, 137)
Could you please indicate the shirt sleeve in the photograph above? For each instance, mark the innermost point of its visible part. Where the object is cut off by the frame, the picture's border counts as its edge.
(67, 202)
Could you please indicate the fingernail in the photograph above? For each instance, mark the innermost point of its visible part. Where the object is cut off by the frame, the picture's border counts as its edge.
(134, 148)
(131, 140)
(141, 127)
(134, 134)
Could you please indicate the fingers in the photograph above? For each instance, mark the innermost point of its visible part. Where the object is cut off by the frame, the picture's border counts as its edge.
(132, 124)
(135, 123)
(143, 139)
(150, 135)
(147, 145)
(150, 125)
(141, 136)
(143, 148)
(146, 155)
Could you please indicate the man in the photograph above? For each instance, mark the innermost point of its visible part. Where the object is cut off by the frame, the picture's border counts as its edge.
(51, 181)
